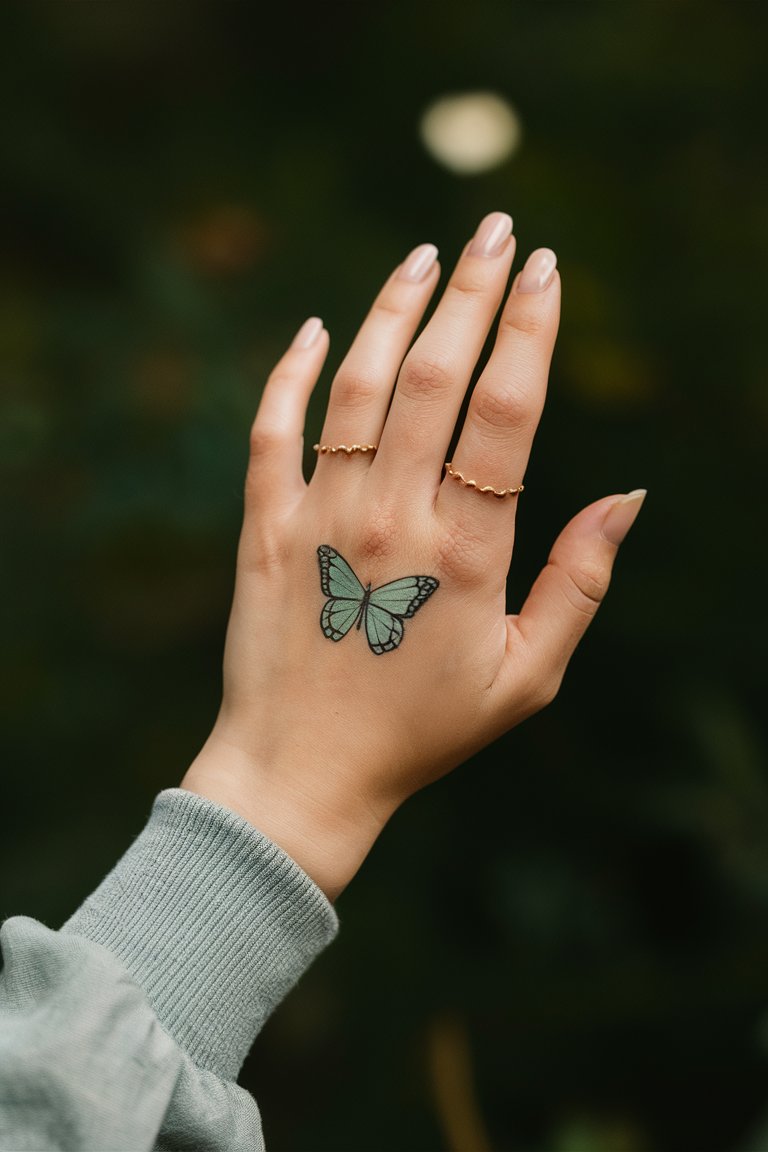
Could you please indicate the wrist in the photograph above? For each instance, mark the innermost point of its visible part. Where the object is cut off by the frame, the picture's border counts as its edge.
(310, 811)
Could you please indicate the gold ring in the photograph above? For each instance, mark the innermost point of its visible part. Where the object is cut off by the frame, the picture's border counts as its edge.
(500, 493)
(332, 449)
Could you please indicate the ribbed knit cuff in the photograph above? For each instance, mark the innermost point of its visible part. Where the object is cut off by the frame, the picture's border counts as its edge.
(213, 920)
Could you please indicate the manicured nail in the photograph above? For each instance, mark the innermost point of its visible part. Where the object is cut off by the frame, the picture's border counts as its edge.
(492, 234)
(308, 333)
(538, 271)
(621, 516)
(416, 266)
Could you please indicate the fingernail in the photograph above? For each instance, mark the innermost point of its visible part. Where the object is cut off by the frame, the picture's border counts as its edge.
(621, 516)
(416, 266)
(492, 234)
(538, 271)
(308, 333)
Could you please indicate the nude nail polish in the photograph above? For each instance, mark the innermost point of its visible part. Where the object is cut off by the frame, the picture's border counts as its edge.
(492, 234)
(538, 271)
(308, 333)
(418, 264)
(622, 515)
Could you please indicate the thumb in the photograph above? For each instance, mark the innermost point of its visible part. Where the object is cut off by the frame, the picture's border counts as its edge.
(571, 587)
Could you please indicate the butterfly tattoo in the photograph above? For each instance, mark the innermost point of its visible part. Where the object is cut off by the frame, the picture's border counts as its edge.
(382, 609)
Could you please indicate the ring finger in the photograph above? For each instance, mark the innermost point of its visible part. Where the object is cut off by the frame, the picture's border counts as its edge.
(506, 404)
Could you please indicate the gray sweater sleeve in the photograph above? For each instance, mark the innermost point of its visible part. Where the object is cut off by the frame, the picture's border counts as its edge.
(126, 1029)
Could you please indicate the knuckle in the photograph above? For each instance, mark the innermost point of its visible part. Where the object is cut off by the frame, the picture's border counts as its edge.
(391, 304)
(264, 553)
(502, 407)
(467, 283)
(378, 537)
(355, 387)
(586, 586)
(265, 439)
(425, 375)
(459, 557)
(524, 321)
(539, 689)
(546, 689)
(280, 378)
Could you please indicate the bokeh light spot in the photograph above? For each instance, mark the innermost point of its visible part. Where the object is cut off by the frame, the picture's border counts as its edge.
(471, 132)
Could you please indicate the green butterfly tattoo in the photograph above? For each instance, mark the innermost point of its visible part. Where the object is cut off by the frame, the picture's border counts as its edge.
(382, 609)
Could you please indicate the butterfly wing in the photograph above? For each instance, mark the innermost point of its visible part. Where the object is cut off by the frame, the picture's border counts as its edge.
(336, 576)
(404, 597)
(392, 603)
(344, 591)
(338, 616)
(384, 631)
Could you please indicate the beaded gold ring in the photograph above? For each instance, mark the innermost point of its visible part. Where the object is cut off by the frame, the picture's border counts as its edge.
(487, 489)
(348, 449)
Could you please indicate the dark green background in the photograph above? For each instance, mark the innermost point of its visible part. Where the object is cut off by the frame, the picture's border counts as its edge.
(582, 911)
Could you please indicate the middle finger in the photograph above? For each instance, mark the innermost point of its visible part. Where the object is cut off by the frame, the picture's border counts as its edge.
(436, 372)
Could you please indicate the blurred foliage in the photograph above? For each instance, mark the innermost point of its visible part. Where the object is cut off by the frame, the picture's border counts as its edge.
(564, 946)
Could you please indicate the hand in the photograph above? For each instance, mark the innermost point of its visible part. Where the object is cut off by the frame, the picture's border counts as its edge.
(319, 739)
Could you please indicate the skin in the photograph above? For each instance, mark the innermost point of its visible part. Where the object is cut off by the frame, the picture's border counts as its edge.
(318, 743)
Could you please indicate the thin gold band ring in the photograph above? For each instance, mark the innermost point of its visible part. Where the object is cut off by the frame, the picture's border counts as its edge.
(349, 449)
(487, 489)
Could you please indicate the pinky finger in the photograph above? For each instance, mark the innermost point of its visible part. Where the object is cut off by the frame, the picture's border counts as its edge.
(275, 475)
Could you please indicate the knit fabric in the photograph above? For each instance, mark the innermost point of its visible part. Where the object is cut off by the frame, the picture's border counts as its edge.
(126, 1029)
(213, 920)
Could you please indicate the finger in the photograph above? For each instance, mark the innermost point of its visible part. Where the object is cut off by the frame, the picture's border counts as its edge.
(565, 597)
(275, 475)
(505, 408)
(436, 372)
(362, 388)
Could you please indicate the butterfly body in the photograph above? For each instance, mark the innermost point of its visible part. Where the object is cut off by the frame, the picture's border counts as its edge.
(364, 605)
(382, 610)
